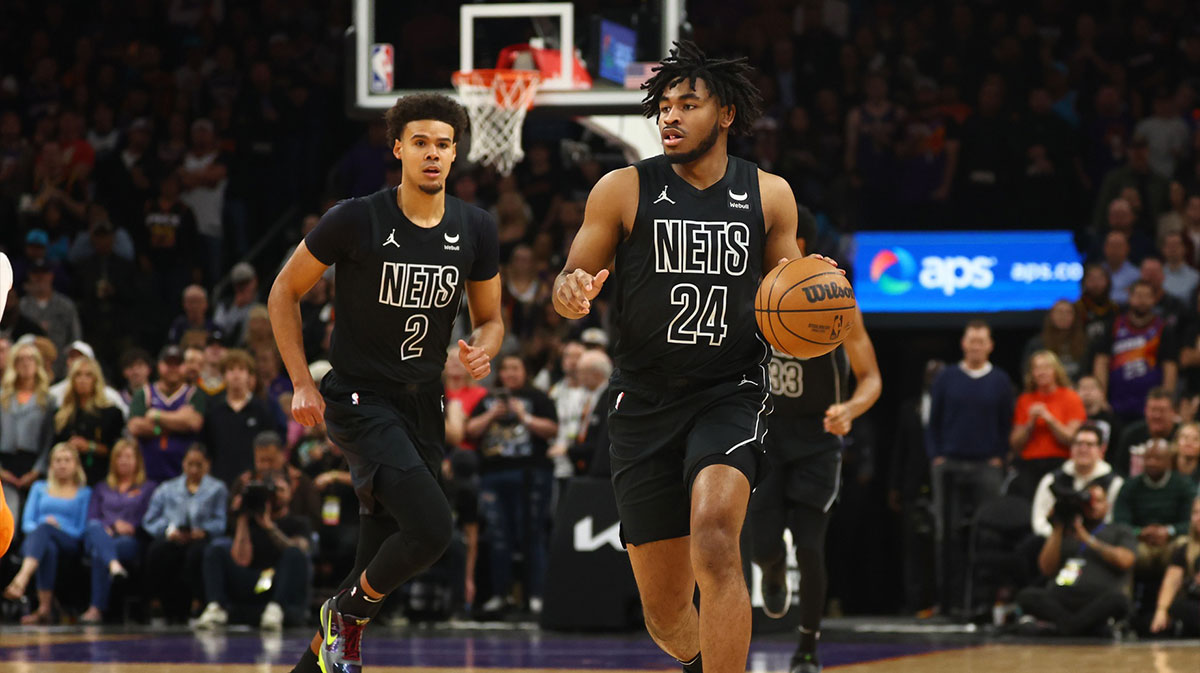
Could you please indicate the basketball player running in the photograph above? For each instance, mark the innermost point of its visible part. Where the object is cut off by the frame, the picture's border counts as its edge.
(404, 257)
(804, 449)
(690, 395)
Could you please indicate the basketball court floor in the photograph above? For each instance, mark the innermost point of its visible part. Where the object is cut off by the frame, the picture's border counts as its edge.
(858, 646)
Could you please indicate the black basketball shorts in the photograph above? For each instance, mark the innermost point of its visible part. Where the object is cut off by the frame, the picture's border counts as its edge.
(664, 432)
(399, 425)
(805, 469)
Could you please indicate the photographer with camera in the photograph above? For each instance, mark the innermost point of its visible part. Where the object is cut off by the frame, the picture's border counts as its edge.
(1090, 563)
(266, 561)
(1085, 468)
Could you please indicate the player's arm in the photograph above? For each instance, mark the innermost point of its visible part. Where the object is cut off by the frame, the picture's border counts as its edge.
(297, 277)
(779, 215)
(483, 301)
(869, 383)
(609, 206)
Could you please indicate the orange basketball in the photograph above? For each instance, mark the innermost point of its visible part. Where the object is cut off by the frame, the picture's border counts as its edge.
(805, 307)
(7, 525)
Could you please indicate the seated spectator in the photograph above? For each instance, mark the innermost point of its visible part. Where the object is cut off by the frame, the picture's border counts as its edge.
(1047, 415)
(116, 239)
(1156, 506)
(267, 560)
(323, 462)
(1178, 608)
(118, 505)
(231, 316)
(212, 379)
(1095, 305)
(1090, 563)
(1157, 426)
(26, 422)
(1095, 403)
(234, 419)
(1179, 277)
(1116, 263)
(1166, 306)
(53, 522)
(185, 514)
(87, 421)
(1062, 334)
(1085, 468)
(1187, 452)
(1136, 353)
(269, 459)
(194, 317)
(76, 351)
(166, 417)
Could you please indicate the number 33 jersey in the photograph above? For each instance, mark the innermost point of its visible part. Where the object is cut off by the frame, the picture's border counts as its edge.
(398, 286)
(687, 273)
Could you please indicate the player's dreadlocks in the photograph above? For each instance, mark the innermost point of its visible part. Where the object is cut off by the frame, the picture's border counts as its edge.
(727, 79)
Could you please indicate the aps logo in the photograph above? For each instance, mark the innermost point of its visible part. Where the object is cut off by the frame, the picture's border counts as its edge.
(893, 270)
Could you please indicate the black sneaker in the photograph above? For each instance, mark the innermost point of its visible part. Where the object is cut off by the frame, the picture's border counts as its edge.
(776, 590)
(805, 663)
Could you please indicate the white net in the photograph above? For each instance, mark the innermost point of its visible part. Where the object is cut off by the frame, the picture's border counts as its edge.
(497, 101)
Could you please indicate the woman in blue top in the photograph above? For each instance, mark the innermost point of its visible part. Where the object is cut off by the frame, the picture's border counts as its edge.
(53, 521)
(118, 505)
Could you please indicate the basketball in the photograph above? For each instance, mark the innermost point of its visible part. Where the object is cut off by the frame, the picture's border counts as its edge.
(805, 307)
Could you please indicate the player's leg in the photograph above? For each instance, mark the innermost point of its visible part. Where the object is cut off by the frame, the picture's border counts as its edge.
(720, 494)
(808, 526)
(767, 519)
(663, 571)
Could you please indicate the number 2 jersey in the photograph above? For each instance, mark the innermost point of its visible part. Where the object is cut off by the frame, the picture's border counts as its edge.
(398, 286)
(802, 391)
(687, 273)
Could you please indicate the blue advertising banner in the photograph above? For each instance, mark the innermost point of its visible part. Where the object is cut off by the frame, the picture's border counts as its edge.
(964, 271)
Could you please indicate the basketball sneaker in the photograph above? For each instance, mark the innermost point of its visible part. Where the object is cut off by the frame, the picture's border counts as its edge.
(805, 663)
(212, 617)
(776, 590)
(342, 633)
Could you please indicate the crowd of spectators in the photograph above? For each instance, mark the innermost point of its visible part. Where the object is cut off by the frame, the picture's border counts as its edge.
(147, 148)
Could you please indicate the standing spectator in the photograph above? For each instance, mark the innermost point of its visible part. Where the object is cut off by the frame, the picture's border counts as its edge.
(1095, 305)
(1156, 427)
(203, 176)
(985, 167)
(87, 420)
(1064, 335)
(1187, 452)
(167, 240)
(194, 317)
(1179, 277)
(1122, 218)
(1044, 144)
(589, 452)
(53, 522)
(100, 229)
(79, 350)
(1156, 505)
(185, 513)
(1085, 468)
(1179, 598)
(1167, 135)
(231, 316)
(1047, 416)
(166, 417)
(53, 312)
(1121, 273)
(1166, 306)
(1099, 413)
(1151, 187)
(570, 398)
(106, 290)
(513, 426)
(26, 422)
(970, 417)
(232, 420)
(1137, 353)
(871, 131)
(125, 179)
(119, 502)
(135, 369)
(928, 158)
(1091, 563)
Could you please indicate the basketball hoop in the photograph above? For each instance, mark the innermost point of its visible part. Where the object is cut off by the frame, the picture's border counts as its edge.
(497, 101)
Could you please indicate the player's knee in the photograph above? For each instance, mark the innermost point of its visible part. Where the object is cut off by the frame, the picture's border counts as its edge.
(715, 545)
(666, 614)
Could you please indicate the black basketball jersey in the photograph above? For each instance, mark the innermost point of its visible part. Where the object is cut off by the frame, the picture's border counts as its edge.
(804, 389)
(687, 273)
(399, 286)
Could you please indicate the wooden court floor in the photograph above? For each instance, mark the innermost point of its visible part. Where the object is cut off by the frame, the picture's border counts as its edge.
(96, 651)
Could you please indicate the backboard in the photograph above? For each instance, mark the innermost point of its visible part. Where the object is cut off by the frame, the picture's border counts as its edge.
(400, 47)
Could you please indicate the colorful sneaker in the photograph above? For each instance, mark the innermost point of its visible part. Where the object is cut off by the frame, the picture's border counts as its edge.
(340, 651)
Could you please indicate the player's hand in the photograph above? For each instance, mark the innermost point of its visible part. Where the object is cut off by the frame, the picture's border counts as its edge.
(308, 407)
(578, 289)
(1161, 621)
(837, 420)
(828, 260)
(476, 360)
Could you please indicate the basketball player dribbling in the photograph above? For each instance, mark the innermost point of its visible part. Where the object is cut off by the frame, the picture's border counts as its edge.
(403, 258)
(690, 395)
(804, 449)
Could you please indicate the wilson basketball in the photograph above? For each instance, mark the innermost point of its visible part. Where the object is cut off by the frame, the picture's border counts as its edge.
(805, 307)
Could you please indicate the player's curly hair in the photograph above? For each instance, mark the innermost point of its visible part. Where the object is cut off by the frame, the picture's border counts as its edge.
(727, 79)
(418, 106)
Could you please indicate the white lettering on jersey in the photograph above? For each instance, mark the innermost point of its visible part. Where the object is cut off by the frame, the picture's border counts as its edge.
(417, 285)
(711, 248)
